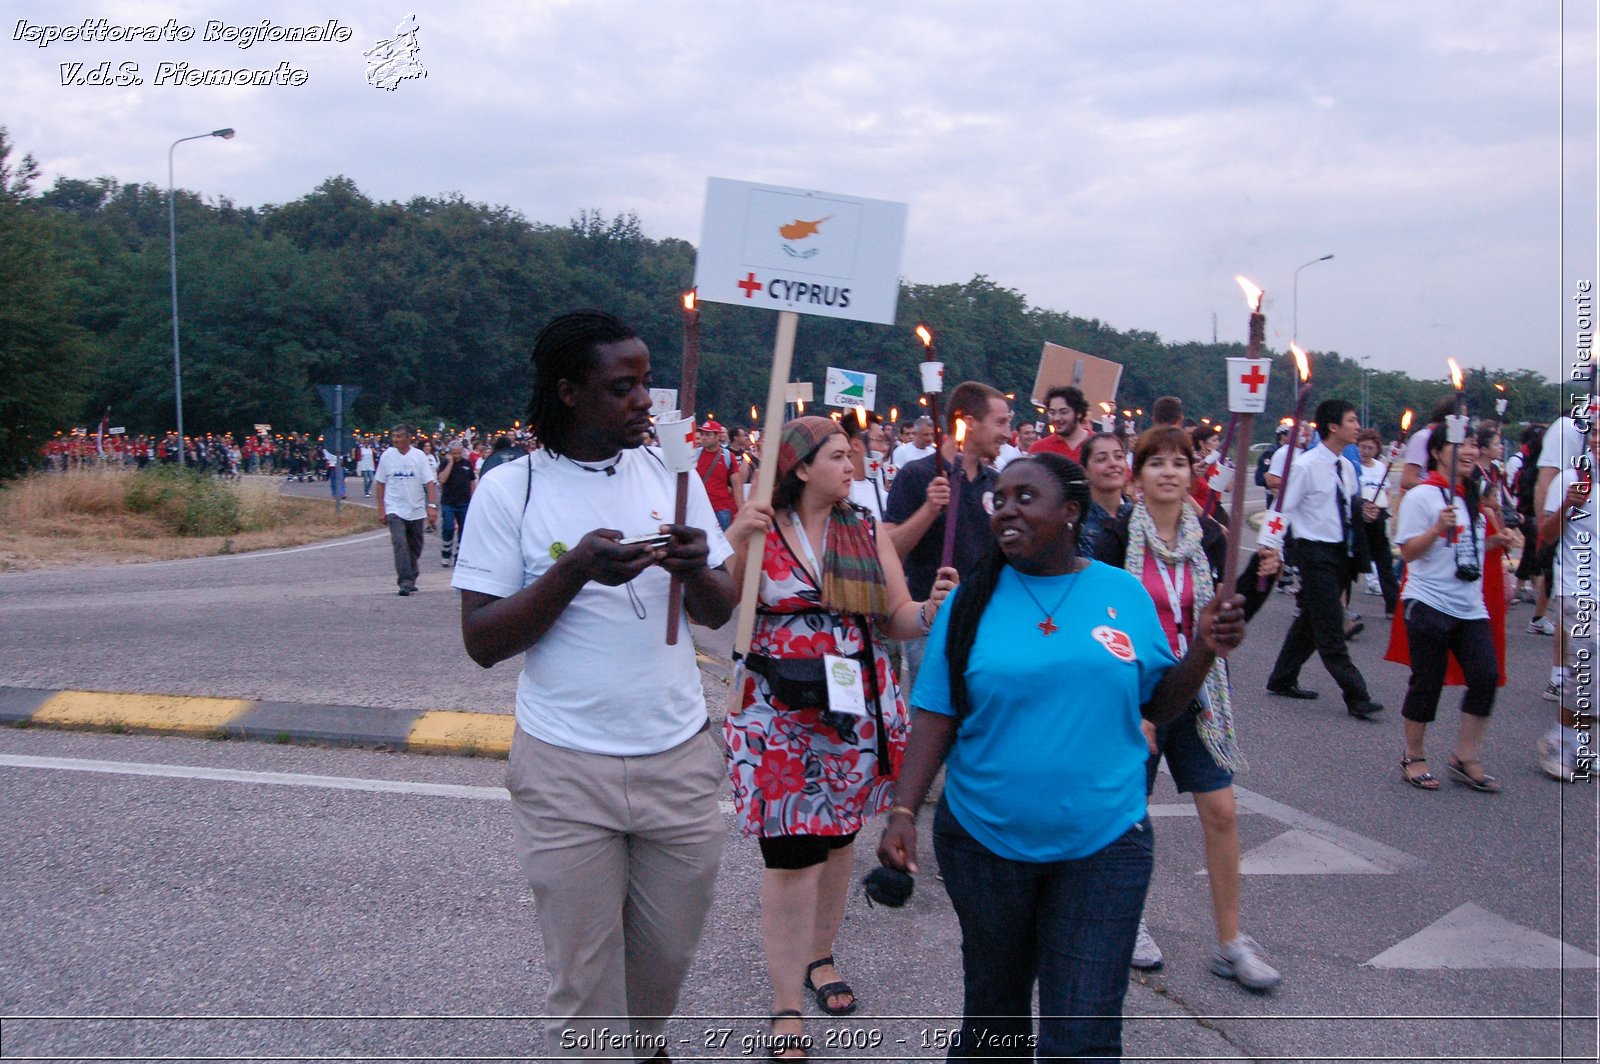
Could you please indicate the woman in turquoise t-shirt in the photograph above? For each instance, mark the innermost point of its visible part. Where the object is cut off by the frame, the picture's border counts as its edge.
(1035, 680)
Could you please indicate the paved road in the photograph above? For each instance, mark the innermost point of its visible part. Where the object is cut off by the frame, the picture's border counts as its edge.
(1408, 925)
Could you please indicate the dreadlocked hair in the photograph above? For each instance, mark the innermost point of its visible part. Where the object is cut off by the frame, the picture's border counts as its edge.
(565, 350)
(971, 599)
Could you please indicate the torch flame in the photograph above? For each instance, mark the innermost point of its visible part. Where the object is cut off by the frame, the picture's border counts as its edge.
(1106, 408)
(800, 405)
(894, 413)
(753, 415)
(1499, 387)
(1252, 294)
(689, 300)
(1301, 363)
(1405, 421)
(925, 335)
(861, 416)
(961, 431)
(1457, 381)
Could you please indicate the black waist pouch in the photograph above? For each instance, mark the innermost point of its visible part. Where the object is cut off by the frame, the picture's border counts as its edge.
(799, 683)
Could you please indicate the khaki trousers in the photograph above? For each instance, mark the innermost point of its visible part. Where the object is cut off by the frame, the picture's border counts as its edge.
(622, 855)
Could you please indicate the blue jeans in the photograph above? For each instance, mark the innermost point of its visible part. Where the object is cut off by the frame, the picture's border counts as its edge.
(336, 481)
(1069, 925)
(450, 515)
(724, 518)
(366, 481)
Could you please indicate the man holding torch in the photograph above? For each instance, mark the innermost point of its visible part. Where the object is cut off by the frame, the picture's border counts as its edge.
(916, 510)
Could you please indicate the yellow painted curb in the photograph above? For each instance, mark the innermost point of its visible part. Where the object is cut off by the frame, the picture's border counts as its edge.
(453, 730)
(176, 713)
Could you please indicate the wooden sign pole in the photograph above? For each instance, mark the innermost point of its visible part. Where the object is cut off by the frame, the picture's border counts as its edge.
(766, 478)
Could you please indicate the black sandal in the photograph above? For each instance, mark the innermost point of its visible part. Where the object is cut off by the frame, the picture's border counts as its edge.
(837, 988)
(1424, 781)
(1485, 784)
(779, 1044)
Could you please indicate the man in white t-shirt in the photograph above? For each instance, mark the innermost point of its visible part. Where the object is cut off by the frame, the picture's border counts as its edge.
(613, 773)
(407, 496)
(367, 466)
(921, 445)
(1570, 521)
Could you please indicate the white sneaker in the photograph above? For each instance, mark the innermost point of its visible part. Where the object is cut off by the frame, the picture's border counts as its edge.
(1558, 760)
(1374, 588)
(1241, 959)
(1146, 954)
(1541, 626)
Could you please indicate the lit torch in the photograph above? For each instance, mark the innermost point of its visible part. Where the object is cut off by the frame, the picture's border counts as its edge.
(1456, 424)
(1242, 431)
(1501, 401)
(947, 557)
(686, 397)
(1394, 452)
(932, 384)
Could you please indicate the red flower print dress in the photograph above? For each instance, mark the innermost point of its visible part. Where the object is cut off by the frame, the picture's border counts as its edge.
(806, 770)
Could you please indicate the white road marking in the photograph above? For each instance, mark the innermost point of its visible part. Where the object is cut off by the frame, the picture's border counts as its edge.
(278, 779)
(1473, 937)
(1300, 853)
(233, 775)
(1386, 858)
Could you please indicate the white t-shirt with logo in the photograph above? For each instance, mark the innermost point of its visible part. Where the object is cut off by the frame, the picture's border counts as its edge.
(405, 479)
(1576, 555)
(1432, 578)
(602, 680)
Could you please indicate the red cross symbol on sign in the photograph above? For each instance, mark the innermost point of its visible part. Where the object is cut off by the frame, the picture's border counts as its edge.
(750, 285)
(1255, 379)
(1275, 525)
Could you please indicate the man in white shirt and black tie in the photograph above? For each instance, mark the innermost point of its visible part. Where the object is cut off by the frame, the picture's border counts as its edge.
(1322, 502)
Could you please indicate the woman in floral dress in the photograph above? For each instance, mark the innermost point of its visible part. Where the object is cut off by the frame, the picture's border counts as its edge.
(811, 759)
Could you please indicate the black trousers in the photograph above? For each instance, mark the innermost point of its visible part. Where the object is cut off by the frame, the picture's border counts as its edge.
(1377, 533)
(1319, 625)
(1433, 636)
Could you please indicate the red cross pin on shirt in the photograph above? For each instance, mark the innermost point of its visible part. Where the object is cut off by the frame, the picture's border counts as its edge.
(750, 285)
(1255, 379)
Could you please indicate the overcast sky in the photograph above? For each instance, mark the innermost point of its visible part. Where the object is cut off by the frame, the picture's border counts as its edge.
(1119, 161)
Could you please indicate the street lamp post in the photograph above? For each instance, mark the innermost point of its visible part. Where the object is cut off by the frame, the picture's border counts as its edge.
(172, 263)
(1294, 326)
(1366, 377)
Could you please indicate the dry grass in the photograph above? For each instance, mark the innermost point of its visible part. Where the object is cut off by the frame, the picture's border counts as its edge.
(56, 520)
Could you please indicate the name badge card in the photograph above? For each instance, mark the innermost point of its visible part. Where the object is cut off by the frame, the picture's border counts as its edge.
(846, 693)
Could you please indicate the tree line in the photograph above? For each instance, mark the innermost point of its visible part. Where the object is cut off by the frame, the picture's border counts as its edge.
(431, 306)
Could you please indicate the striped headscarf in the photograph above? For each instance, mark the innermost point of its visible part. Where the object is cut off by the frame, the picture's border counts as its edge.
(852, 578)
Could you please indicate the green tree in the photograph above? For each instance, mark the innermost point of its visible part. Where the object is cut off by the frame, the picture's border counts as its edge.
(40, 347)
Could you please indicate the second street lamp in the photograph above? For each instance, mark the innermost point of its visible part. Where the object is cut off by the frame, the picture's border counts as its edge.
(172, 263)
(1294, 321)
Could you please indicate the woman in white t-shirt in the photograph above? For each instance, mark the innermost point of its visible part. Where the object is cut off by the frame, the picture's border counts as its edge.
(1443, 538)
